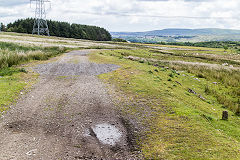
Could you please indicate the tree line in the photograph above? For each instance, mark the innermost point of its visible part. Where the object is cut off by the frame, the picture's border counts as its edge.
(61, 29)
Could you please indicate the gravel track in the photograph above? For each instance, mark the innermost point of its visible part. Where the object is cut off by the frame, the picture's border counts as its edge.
(60, 117)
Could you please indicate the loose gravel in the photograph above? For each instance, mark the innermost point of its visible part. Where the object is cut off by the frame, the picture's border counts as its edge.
(77, 64)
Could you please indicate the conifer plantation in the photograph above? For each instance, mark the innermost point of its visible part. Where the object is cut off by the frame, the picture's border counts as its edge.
(62, 29)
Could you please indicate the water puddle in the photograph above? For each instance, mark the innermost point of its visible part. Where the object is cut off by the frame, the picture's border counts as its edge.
(107, 134)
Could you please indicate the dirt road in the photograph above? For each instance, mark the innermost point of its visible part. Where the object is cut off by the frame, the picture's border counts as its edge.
(67, 115)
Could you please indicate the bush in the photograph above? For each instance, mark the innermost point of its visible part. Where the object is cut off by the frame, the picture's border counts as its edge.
(119, 40)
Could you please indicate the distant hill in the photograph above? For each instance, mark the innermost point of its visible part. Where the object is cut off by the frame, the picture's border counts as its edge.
(180, 35)
(180, 32)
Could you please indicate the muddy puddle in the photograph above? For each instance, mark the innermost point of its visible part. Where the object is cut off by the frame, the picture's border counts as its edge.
(106, 133)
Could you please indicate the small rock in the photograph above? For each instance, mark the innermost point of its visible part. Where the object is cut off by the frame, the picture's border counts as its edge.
(32, 152)
(201, 97)
(225, 64)
(191, 91)
(196, 79)
(225, 115)
(178, 83)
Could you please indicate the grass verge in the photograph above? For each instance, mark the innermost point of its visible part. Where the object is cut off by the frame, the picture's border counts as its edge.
(14, 79)
(12, 84)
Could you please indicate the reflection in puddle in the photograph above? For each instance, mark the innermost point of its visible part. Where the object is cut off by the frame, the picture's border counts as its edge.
(107, 134)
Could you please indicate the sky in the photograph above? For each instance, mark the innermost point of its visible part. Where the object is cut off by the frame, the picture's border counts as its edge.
(133, 15)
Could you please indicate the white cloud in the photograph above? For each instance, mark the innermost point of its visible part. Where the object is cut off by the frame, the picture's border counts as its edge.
(134, 15)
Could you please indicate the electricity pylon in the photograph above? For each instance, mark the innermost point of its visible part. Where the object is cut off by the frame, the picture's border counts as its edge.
(40, 23)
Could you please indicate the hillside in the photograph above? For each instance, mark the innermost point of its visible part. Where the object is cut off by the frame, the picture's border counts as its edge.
(180, 32)
(181, 35)
(65, 98)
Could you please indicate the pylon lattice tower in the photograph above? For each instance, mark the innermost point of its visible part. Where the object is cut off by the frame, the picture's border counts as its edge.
(40, 23)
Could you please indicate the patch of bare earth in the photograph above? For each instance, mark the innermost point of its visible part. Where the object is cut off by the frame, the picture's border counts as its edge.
(67, 115)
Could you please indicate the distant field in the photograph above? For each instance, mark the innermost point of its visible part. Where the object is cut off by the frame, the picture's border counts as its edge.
(43, 41)
(180, 35)
(201, 38)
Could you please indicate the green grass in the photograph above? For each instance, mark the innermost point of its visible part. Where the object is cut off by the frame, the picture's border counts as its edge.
(14, 79)
(9, 88)
(11, 84)
(10, 71)
(227, 89)
(182, 125)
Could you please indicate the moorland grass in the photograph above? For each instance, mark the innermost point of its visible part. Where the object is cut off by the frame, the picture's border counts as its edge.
(227, 83)
(183, 125)
(226, 91)
(16, 47)
(13, 54)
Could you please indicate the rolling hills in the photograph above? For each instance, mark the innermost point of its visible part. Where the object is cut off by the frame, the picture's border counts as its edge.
(180, 35)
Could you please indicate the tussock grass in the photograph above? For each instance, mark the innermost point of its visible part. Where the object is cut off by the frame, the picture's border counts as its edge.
(228, 87)
(14, 54)
(216, 57)
(16, 47)
(226, 77)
